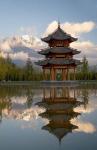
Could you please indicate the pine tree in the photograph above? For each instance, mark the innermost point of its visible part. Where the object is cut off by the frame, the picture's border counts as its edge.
(29, 69)
(85, 67)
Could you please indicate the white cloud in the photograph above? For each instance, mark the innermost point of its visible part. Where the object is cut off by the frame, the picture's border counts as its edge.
(51, 28)
(25, 114)
(81, 109)
(74, 29)
(91, 107)
(87, 48)
(84, 45)
(78, 28)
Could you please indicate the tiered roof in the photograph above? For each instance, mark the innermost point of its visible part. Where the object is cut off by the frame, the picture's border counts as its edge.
(59, 103)
(58, 61)
(59, 34)
(59, 50)
(59, 130)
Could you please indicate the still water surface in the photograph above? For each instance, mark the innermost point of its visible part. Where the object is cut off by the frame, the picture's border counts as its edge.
(48, 118)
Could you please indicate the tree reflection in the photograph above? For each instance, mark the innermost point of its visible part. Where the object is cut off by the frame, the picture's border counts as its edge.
(10, 105)
(85, 96)
(5, 104)
(30, 95)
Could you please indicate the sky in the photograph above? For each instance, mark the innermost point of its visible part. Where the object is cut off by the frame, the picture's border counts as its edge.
(35, 17)
(38, 14)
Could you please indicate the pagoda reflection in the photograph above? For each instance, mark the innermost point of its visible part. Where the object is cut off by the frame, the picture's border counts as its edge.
(59, 104)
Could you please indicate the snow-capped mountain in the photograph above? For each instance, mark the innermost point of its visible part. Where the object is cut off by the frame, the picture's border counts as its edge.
(20, 48)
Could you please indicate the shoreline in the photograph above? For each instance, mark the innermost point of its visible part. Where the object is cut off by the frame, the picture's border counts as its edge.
(44, 82)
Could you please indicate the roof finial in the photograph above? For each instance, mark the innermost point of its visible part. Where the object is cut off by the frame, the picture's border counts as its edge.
(58, 24)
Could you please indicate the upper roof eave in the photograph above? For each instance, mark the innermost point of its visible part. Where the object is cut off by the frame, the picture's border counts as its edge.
(58, 34)
(47, 39)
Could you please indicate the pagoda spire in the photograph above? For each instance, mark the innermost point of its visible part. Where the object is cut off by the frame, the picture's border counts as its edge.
(58, 24)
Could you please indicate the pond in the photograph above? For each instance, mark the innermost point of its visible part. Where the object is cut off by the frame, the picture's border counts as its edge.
(48, 117)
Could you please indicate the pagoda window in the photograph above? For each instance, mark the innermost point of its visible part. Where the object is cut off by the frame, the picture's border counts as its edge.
(59, 43)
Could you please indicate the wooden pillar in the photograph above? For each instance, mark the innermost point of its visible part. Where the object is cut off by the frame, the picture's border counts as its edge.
(44, 74)
(63, 74)
(74, 92)
(52, 93)
(52, 74)
(63, 92)
(74, 74)
(68, 92)
(67, 74)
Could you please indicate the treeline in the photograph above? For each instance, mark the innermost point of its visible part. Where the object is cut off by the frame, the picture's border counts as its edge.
(11, 72)
(83, 71)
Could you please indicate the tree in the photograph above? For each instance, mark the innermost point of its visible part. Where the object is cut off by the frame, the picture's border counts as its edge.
(85, 67)
(8, 59)
(10, 66)
(29, 69)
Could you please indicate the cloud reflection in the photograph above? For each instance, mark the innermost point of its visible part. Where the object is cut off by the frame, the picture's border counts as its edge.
(85, 127)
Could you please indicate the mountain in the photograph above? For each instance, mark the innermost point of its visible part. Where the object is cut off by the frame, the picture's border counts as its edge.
(20, 48)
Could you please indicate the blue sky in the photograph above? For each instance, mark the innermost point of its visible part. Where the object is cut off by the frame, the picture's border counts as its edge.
(15, 14)
(34, 16)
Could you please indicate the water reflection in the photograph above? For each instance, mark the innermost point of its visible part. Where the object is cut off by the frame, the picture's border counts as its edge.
(17, 103)
(59, 104)
(54, 112)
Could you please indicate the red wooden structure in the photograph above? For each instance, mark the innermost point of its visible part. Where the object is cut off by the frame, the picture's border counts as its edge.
(59, 55)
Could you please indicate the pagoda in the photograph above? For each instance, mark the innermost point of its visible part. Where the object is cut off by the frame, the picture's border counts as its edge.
(58, 55)
(59, 110)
